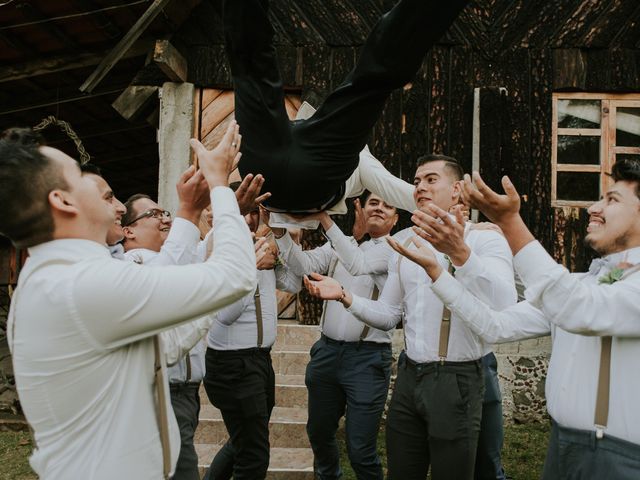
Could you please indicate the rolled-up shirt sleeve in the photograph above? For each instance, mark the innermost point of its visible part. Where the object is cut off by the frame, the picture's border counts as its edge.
(127, 302)
(575, 305)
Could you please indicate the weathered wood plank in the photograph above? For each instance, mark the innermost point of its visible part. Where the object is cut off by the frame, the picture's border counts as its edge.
(170, 61)
(136, 102)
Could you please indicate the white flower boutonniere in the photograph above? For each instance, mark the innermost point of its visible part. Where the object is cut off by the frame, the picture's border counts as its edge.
(615, 274)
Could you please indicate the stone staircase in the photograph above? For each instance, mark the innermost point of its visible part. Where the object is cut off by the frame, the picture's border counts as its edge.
(291, 455)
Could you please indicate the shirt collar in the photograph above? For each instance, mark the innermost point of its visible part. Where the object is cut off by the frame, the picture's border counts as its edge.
(631, 255)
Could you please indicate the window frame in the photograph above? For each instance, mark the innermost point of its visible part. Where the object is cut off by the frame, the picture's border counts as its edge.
(609, 103)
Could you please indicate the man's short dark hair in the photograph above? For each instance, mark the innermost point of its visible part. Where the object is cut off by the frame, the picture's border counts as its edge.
(627, 170)
(91, 168)
(131, 213)
(26, 179)
(451, 165)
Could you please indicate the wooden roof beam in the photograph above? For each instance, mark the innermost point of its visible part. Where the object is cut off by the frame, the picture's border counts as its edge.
(170, 61)
(136, 102)
(61, 63)
(123, 45)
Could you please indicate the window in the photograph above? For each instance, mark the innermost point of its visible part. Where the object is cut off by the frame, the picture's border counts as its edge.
(590, 132)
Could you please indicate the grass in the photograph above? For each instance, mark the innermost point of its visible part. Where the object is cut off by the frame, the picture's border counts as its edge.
(525, 447)
(15, 448)
(523, 454)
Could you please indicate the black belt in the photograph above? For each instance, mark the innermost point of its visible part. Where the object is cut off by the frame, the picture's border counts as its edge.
(241, 351)
(426, 367)
(357, 343)
(180, 385)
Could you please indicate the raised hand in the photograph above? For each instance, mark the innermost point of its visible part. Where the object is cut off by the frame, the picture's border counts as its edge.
(193, 195)
(248, 193)
(359, 228)
(323, 287)
(265, 254)
(422, 255)
(444, 233)
(497, 208)
(218, 163)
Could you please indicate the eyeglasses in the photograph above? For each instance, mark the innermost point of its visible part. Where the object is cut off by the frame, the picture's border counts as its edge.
(152, 213)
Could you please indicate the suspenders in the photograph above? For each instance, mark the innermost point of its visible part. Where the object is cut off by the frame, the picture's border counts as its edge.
(374, 296)
(601, 415)
(445, 325)
(258, 305)
(163, 420)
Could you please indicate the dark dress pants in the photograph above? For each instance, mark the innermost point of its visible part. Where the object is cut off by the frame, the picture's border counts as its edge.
(434, 420)
(579, 455)
(488, 460)
(351, 379)
(241, 384)
(185, 401)
(306, 163)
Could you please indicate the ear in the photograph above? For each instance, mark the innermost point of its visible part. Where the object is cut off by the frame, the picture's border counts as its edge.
(457, 191)
(396, 217)
(128, 233)
(61, 202)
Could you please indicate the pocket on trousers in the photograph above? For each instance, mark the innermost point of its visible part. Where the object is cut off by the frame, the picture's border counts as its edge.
(254, 405)
(451, 410)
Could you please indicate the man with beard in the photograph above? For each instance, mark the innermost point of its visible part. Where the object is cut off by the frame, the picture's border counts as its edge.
(592, 385)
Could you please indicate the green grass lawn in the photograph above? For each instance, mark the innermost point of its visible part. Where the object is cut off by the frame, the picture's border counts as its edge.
(523, 453)
(525, 447)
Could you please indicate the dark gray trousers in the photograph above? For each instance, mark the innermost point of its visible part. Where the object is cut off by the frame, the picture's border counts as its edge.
(488, 461)
(434, 420)
(185, 401)
(350, 379)
(578, 455)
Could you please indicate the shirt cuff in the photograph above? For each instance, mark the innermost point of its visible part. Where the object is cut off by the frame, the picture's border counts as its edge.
(447, 288)
(183, 232)
(223, 200)
(472, 266)
(356, 306)
(533, 263)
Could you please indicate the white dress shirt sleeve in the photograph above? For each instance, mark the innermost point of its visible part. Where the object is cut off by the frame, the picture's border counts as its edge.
(180, 246)
(488, 272)
(358, 262)
(178, 341)
(384, 313)
(518, 322)
(128, 302)
(286, 280)
(303, 262)
(576, 305)
(373, 176)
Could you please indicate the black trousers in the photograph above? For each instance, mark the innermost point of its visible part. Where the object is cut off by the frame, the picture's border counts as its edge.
(241, 384)
(488, 456)
(185, 401)
(306, 163)
(434, 420)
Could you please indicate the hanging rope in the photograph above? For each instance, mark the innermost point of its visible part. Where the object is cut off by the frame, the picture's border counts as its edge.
(66, 128)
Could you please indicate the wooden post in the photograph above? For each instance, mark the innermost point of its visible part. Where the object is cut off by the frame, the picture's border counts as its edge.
(176, 128)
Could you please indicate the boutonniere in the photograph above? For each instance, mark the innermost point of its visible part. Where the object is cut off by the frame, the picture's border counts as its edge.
(615, 274)
(451, 268)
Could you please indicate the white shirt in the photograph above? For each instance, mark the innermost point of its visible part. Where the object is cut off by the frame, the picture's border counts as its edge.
(337, 323)
(81, 327)
(235, 327)
(179, 248)
(488, 273)
(577, 311)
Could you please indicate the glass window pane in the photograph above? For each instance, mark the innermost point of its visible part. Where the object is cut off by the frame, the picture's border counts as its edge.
(580, 186)
(579, 113)
(579, 149)
(628, 127)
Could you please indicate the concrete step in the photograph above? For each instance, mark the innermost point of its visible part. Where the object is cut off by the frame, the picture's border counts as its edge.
(287, 428)
(290, 359)
(290, 392)
(294, 334)
(285, 463)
